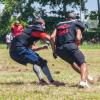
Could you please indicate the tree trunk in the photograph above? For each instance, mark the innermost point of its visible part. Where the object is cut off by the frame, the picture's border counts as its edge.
(64, 10)
(98, 2)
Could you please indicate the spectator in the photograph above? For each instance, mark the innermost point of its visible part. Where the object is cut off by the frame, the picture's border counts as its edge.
(8, 40)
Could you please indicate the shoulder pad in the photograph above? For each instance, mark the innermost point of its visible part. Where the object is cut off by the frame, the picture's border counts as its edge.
(80, 24)
(37, 28)
(65, 22)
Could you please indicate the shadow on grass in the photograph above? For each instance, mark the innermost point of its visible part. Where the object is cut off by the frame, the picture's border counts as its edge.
(56, 83)
(18, 83)
(71, 85)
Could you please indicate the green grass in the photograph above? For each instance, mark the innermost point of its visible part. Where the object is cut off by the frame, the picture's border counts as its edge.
(90, 46)
(18, 82)
(3, 46)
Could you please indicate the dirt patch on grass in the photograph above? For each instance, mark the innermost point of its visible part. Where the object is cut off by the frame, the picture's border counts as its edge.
(16, 69)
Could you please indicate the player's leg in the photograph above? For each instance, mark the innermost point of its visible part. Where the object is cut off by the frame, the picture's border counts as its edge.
(23, 56)
(37, 71)
(34, 58)
(71, 54)
(45, 69)
(79, 58)
(77, 69)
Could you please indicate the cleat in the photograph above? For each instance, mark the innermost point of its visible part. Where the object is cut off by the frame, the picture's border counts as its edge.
(56, 83)
(43, 82)
(83, 84)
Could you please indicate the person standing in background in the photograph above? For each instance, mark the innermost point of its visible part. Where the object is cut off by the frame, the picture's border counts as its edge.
(8, 40)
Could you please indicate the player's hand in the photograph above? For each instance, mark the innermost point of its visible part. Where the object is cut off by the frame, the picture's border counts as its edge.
(54, 55)
(45, 47)
(78, 44)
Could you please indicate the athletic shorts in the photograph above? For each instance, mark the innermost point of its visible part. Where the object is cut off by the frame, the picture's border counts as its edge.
(70, 53)
(25, 55)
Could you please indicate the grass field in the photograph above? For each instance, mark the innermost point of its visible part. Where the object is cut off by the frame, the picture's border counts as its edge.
(18, 82)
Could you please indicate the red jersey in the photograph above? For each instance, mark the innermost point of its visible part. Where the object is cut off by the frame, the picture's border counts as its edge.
(40, 35)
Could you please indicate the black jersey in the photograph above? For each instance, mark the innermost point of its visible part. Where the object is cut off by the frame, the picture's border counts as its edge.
(66, 32)
(26, 38)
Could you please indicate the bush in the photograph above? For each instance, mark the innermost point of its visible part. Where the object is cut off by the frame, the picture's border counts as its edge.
(92, 36)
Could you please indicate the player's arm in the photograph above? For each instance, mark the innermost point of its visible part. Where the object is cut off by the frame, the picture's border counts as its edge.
(78, 36)
(36, 48)
(52, 41)
(39, 48)
(44, 37)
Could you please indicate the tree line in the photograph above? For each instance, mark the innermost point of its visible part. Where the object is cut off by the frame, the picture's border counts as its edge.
(26, 10)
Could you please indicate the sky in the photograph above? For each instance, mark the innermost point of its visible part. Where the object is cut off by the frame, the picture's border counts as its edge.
(1, 6)
(90, 5)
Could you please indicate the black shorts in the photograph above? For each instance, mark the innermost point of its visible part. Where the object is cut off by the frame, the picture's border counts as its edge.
(70, 53)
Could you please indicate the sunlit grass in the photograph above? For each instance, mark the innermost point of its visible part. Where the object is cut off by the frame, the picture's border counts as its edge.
(18, 82)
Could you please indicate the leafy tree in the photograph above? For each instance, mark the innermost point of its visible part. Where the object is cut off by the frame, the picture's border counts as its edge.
(98, 3)
(64, 3)
(24, 8)
(93, 15)
(11, 11)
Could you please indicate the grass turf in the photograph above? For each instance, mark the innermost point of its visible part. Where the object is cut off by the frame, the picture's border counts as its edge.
(18, 82)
